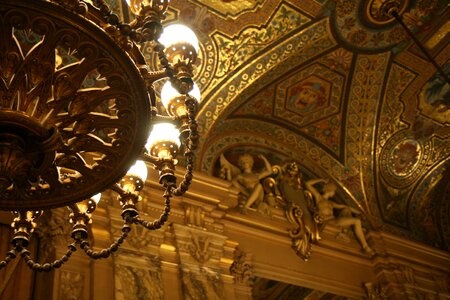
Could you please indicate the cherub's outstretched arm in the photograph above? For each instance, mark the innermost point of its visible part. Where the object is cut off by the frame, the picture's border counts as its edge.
(268, 167)
(310, 187)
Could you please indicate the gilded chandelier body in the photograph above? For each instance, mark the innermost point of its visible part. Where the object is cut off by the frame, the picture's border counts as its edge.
(77, 104)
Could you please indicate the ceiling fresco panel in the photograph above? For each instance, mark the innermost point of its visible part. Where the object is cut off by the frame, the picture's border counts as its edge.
(300, 47)
(402, 163)
(434, 98)
(403, 159)
(319, 118)
(425, 100)
(311, 94)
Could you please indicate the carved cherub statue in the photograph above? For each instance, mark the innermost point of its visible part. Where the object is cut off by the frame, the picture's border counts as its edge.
(326, 207)
(244, 178)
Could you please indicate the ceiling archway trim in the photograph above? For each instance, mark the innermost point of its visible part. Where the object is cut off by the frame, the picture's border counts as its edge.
(284, 143)
(281, 140)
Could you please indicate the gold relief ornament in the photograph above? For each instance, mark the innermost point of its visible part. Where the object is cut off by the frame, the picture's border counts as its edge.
(199, 248)
(138, 283)
(375, 291)
(299, 209)
(378, 12)
(70, 285)
(203, 283)
(52, 229)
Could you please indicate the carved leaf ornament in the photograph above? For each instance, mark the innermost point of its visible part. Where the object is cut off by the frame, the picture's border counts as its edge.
(62, 140)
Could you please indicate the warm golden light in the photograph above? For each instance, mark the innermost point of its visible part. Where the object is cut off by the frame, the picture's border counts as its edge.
(164, 140)
(174, 102)
(139, 169)
(97, 198)
(168, 92)
(178, 34)
(163, 133)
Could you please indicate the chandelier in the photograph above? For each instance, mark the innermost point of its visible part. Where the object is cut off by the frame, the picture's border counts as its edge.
(77, 104)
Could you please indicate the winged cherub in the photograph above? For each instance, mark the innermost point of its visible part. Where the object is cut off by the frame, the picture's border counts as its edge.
(244, 178)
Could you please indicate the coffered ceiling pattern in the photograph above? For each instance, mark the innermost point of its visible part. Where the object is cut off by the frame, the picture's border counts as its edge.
(337, 87)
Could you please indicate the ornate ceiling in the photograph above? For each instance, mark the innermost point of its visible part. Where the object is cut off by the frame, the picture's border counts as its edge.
(340, 89)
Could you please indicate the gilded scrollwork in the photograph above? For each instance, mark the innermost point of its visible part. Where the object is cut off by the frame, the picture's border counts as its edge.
(84, 134)
(231, 8)
(140, 238)
(299, 209)
(310, 210)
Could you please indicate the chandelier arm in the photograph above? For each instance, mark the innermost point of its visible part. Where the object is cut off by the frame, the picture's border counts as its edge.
(46, 267)
(191, 144)
(163, 60)
(118, 189)
(104, 253)
(112, 33)
(146, 157)
(144, 28)
(162, 118)
(192, 105)
(9, 257)
(153, 76)
(157, 223)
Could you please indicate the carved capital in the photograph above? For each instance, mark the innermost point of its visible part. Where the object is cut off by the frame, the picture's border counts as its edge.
(375, 292)
(71, 285)
(199, 248)
(241, 268)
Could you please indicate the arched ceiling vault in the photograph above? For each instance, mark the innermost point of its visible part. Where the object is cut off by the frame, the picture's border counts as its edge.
(337, 87)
